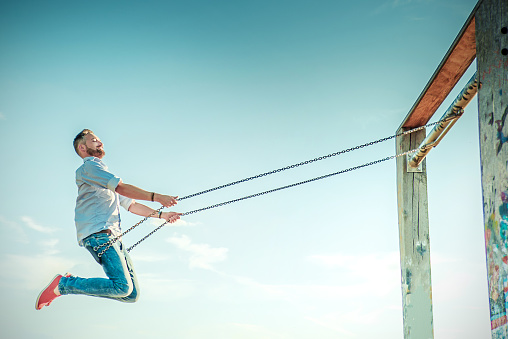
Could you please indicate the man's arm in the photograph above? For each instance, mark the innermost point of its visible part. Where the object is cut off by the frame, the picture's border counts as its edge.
(133, 192)
(145, 211)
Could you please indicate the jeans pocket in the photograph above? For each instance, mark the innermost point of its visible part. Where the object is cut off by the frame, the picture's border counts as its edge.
(95, 240)
(94, 254)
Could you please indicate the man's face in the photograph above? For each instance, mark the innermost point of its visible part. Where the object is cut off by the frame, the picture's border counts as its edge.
(94, 146)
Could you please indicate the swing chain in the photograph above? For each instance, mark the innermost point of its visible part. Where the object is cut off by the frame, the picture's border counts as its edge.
(110, 242)
(113, 240)
(276, 189)
(312, 160)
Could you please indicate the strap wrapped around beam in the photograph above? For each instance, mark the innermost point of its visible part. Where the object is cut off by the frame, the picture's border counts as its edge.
(447, 121)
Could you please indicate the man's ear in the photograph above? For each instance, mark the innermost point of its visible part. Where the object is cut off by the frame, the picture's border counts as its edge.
(82, 148)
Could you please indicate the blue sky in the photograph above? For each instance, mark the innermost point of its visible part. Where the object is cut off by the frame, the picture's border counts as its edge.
(188, 95)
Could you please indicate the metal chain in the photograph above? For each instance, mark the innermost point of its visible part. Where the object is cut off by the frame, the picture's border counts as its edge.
(275, 190)
(109, 243)
(311, 160)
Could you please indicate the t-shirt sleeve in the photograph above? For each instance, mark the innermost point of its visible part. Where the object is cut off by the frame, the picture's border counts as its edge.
(97, 175)
(125, 202)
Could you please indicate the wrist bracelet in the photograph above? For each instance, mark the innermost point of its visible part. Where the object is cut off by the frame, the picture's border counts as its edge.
(153, 193)
(160, 213)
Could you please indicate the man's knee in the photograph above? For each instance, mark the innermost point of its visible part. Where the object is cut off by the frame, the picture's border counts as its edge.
(123, 289)
(133, 297)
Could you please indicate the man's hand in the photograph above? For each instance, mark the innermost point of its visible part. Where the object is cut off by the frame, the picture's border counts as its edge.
(170, 217)
(145, 211)
(166, 200)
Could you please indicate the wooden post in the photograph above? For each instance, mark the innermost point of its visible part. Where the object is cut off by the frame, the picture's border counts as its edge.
(414, 242)
(492, 62)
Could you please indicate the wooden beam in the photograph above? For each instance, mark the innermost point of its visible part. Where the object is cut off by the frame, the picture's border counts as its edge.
(454, 64)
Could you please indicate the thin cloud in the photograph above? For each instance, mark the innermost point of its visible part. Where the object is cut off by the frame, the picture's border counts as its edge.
(384, 268)
(49, 246)
(399, 3)
(30, 272)
(15, 228)
(334, 326)
(301, 294)
(393, 4)
(305, 293)
(357, 264)
(349, 320)
(251, 330)
(158, 287)
(151, 257)
(201, 255)
(36, 227)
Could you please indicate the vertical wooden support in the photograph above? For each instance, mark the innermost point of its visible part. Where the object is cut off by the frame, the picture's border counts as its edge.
(414, 242)
(492, 62)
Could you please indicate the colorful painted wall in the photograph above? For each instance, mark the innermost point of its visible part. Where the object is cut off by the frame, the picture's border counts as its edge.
(492, 61)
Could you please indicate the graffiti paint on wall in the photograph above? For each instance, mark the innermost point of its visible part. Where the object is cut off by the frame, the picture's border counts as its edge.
(495, 234)
(496, 230)
(496, 243)
(501, 137)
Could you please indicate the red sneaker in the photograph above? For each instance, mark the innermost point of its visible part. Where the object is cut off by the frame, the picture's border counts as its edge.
(48, 294)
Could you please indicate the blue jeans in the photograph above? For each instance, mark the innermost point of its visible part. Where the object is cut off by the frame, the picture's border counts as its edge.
(122, 284)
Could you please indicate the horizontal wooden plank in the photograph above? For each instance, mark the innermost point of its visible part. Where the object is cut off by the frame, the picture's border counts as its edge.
(461, 54)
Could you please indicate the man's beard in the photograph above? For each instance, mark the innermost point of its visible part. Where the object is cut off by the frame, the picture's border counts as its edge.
(98, 153)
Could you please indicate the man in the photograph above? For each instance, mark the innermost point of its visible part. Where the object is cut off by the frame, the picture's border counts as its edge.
(100, 194)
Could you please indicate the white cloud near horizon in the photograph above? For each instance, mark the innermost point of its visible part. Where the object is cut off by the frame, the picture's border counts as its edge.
(348, 320)
(383, 268)
(356, 303)
(201, 255)
(245, 330)
(367, 276)
(49, 246)
(16, 229)
(31, 272)
(28, 221)
(332, 325)
(151, 257)
(158, 287)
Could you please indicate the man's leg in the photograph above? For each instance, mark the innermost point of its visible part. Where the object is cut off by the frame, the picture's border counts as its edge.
(134, 296)
(122, 283)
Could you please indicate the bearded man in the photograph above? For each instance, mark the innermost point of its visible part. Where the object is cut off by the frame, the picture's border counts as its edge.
(97, 219)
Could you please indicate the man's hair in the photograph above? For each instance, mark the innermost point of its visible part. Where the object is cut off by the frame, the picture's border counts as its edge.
(80, 138)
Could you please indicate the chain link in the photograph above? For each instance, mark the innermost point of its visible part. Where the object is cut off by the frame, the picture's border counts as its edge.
(311, 160)
(108, 244)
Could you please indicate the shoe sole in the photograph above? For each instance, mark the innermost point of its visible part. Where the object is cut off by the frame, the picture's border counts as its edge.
(44, 289)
